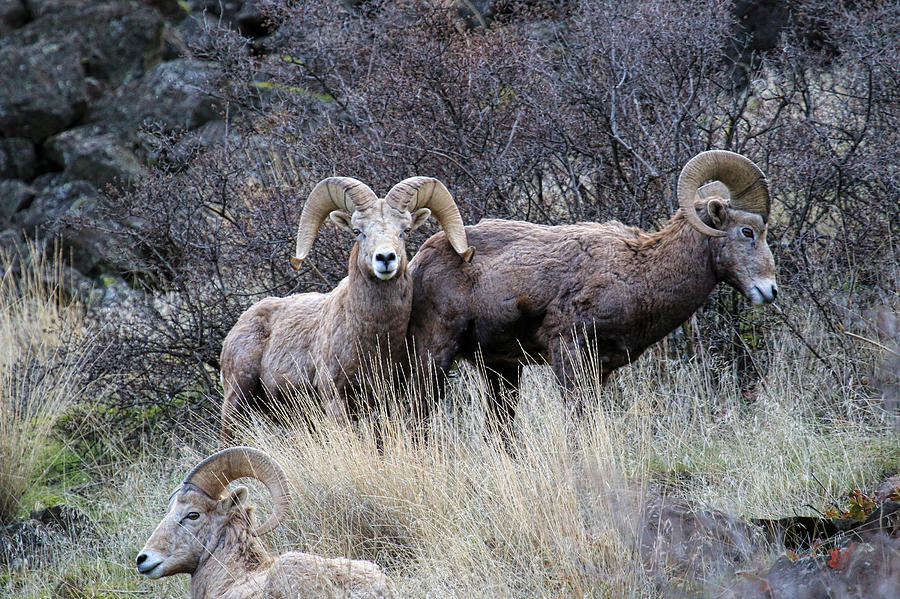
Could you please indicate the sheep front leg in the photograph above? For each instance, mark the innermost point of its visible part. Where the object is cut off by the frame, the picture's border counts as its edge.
(336, 410)
(433, 347)
(229, 415)
(332, 386)
(503, 389)
(234, 405)
(564, 356)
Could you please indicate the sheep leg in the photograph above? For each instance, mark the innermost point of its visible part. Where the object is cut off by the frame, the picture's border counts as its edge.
(503, 386)
(434, 349)
(564, 356)
(234, 405)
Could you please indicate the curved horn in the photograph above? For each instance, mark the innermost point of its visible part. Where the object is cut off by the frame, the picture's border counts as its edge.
(333, 193)
(714, 189)
(744, 180)
(214, 473)
(426, 192)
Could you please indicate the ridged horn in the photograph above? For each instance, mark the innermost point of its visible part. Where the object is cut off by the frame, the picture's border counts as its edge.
(426, 192)
(333, 193)
(213, 474)
(745, 181)
(715, 189)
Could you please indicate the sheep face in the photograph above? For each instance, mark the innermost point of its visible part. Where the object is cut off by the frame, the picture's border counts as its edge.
(381, 232)
(742, 257)
(192, 522)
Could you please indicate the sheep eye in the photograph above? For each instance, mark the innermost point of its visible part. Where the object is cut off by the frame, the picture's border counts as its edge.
(747, 232)
(192, 516)
(357, 232)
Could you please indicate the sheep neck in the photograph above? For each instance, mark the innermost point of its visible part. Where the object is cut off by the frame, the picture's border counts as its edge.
(677, 274)
(379, 309)
(234, 560)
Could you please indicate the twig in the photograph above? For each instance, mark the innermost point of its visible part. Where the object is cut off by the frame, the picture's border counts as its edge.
(873, 342)
(816, 478)
(316, 270)
(794, 330)
(816, 510)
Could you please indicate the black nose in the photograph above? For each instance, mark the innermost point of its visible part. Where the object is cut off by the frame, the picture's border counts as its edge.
(141, 558)
(388, 257)
(774, 292)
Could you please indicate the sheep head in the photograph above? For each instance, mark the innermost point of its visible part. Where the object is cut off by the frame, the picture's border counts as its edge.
(379, 225)
(202, 505)
(732, 211)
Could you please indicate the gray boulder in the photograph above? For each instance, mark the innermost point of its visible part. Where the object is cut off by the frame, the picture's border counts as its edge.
(30, 543)
(172, 95)
(89, 153)
(12, 241)
(701, 543)
(172, 10)
(68, 212)
(14, 196)
(870, 569)
(178, 154)
(52, 201)
(12, 14)
(121, 39)
(42, 89)
(17, 158)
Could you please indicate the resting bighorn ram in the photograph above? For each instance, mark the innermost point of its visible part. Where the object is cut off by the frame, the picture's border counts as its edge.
(322, 342)
(537, 292)
(208, 532)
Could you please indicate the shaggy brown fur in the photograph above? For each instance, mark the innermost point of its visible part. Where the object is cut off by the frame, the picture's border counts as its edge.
(544, 293)
(328, 344)
(317, 342)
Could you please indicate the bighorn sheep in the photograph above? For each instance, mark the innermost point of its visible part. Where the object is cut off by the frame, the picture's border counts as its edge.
(208, 533)
(322, 342)
(552, 292)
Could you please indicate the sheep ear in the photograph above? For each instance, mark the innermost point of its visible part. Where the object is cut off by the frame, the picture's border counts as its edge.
(341, 219)
(419, 217)
(235, 498)
(718, 212)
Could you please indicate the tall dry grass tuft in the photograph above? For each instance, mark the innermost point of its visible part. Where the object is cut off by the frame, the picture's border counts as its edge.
(561, 509)
(39, 370)
(565, 507)
(462, 513)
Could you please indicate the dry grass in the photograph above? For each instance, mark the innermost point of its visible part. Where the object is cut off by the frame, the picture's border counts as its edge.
(558, 513)
(38, 375)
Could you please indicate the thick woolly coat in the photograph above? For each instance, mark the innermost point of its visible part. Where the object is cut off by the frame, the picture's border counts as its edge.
(537, 293)
(233, 564)
(321, 343)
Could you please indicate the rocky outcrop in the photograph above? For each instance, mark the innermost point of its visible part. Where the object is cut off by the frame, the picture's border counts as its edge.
(42, 86)
(89, 153)
(172, 95)
(693, 550)
(17, 159)
(87, 90)
(121, 39)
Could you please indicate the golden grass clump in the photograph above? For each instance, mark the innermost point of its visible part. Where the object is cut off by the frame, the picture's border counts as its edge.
(38, 372)
(560, 509)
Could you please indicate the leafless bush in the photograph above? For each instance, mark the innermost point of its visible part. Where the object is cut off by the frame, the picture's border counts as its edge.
(587, 112)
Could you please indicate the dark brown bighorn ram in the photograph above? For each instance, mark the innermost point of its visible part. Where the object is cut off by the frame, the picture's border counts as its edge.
(323, 342)
(208, 533)
(552, 293)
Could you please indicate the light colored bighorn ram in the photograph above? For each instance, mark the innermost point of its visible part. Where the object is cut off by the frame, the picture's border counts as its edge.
(322, 342)
(550, 293)
(208, 532)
